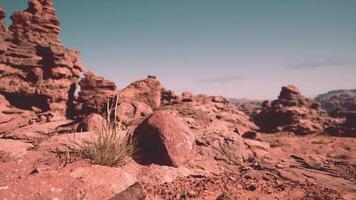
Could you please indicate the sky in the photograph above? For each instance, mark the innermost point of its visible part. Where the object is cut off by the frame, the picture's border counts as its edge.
(234, 48)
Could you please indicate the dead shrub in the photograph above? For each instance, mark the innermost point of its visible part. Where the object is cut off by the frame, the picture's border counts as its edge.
(112, 144)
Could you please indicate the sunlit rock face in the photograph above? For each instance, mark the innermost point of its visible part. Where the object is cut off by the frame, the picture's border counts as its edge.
(36, 71)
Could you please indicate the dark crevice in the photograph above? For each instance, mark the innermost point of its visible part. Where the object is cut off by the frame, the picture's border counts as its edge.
(47, 60)
(26, 102)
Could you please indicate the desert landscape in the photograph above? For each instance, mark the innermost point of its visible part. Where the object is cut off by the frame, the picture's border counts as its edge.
(68, 133)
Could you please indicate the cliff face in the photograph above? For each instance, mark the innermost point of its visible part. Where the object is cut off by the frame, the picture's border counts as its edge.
(36, 71)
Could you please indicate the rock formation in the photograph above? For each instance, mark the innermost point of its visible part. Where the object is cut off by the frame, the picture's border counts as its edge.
(134, 103)
(293, 112)
(3, 28)
(217, 125)
(95, 93)
(338, 101)
(347, 128)
(168, 97)
(36, 71)
(249, 107)
(189, 146)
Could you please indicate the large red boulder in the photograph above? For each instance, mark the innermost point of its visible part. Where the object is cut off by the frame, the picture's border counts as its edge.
(164, 139)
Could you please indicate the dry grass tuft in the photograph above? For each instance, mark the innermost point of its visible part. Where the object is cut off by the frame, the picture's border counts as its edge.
(112, 144)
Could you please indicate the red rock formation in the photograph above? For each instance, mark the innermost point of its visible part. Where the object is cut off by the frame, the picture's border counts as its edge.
(216, 124)
(135, 102)
(292, 112)
(138, 100)
(337, 101)
(2, 17)
(37, 24)
(37, 71)
(347, 128)
(95, 93)
(147, 91)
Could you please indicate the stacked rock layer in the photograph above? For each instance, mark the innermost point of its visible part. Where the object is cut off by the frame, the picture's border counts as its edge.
(36, 71)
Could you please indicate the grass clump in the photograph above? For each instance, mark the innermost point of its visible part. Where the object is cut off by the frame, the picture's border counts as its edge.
(112, 144)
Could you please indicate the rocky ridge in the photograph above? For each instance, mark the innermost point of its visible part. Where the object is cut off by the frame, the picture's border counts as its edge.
(190, 146)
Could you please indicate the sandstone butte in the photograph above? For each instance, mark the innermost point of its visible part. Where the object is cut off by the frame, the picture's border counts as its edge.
(189, 146)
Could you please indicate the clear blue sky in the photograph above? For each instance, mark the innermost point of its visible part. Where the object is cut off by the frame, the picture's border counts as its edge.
(235, 48)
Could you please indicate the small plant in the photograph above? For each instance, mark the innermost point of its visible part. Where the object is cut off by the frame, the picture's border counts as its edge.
(112, 144)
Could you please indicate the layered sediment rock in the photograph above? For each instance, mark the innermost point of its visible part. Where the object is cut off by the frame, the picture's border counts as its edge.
(37, 71)
(347, 128)
(134, 103)
(3, 28)
(293, 112)
(95, 93)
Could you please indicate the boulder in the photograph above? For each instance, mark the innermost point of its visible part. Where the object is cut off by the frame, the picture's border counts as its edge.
(164, 139)
(92, 122)
(133, 113)
(147, 91)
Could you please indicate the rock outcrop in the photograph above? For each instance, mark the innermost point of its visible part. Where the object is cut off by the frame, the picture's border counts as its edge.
(347, 128)
(138, 100)
(217, 125)
(2, 23)
(37, 71)
(164, 139)
(134, 103)
(95, 93)
(168, 97)
(293, 112)
(338, 101)
(249, 107)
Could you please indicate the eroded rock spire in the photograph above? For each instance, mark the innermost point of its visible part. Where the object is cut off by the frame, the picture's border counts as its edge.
(36, 70)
